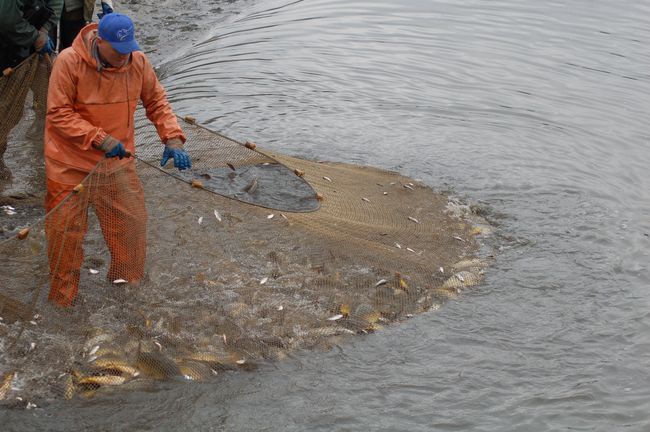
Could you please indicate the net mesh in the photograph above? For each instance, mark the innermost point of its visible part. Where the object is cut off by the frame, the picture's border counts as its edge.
(189, 276)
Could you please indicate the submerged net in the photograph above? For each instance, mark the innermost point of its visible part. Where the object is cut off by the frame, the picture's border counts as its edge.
(249, 257)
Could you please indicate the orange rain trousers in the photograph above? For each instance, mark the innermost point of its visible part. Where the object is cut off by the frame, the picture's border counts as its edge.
(118, 200)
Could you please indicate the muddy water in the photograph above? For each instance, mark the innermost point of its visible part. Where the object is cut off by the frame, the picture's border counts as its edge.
(536, 110)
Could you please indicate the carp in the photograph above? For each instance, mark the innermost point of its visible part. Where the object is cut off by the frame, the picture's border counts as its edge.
(156, 365)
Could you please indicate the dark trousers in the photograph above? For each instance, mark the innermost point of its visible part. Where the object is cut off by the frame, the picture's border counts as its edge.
(71, 24)
(69, 31)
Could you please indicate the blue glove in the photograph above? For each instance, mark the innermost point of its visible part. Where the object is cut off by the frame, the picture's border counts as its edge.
(181, 158)
(106, 9)
(48, 48)
(117, 151)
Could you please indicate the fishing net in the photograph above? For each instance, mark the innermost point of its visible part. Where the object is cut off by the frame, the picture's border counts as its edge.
(23, 101)
(249, 257)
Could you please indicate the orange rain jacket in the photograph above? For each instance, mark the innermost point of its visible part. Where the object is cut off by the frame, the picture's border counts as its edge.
(86, 102)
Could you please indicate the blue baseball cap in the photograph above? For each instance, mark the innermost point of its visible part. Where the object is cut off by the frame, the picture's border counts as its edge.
(118, 30)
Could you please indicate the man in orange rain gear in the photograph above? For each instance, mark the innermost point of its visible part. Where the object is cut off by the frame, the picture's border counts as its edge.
(94, 89)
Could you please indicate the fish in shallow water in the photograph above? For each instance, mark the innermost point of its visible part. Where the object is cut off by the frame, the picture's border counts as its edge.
(96, 381)
(68, 387)
(252, 186)
(156, 365)
(6, 384)
(112, 364)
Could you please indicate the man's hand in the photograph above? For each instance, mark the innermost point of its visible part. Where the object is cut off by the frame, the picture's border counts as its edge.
(43, 44)
(106, 9)
(112, 148)
(174, 150)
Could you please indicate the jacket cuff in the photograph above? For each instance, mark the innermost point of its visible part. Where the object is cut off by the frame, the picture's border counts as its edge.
(179, 137)
(99, 138)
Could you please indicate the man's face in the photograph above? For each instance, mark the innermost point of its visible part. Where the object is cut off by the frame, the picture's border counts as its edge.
(111, 56)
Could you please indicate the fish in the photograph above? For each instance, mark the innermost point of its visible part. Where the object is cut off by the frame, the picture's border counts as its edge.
(231, 166)
(252, 186)
(116, 365)
(401, 283)
(98, 339)
(195, 371)
(327, 178)
(330, 331)
(412, 219)
(372, 317)
(215, 362)
(156, 365)
(447, 292)
(372, 327)
(380, 282)
(463, 279)
(206, 357)
(217, 215)
(68, 387)
(475, 263)
(94, 381)
(365, 199)
(7, 380)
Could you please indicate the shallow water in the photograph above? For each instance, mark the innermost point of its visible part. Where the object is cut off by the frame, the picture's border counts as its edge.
(536, 110)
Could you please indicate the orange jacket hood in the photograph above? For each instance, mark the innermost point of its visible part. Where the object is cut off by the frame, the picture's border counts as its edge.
(87, 102)
(82, 44)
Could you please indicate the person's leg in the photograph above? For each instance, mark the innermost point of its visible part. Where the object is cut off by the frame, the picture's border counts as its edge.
(119, 205)
(70, 26)
(65, 227)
